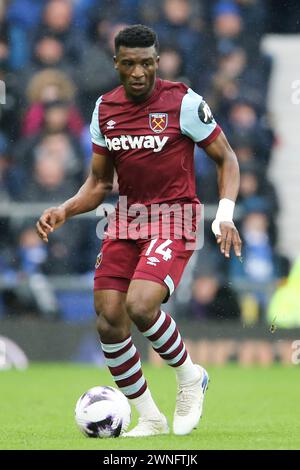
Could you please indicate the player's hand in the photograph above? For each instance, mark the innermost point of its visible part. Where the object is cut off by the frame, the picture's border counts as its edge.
(50, 220)
(229, 237)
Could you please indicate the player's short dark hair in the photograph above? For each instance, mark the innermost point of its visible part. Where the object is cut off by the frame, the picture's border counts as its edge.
(137, 35)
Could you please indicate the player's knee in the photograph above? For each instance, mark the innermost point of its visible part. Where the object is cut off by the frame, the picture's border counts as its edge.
(111, 330)
(140, 311)
(107, 311)
(111, 324)
(104, 326)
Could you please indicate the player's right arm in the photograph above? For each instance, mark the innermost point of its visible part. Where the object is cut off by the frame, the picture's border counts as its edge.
(92, 193)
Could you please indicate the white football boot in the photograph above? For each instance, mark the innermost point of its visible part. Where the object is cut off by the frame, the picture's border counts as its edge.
(149, 427)
(189, 403)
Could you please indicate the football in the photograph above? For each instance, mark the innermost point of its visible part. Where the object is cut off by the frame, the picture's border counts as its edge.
(102, 412)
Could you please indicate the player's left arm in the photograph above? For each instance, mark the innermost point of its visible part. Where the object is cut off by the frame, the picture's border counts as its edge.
(223, 226)
(197, 123)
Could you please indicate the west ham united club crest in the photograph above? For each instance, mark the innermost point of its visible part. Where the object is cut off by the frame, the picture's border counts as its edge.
(158, 122)
(98, 260)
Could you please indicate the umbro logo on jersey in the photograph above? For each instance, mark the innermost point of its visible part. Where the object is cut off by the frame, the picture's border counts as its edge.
(111, 124)
(152, 260)
(127, 142)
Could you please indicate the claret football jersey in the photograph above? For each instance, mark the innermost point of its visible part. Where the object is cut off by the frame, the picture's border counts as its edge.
(152, 142)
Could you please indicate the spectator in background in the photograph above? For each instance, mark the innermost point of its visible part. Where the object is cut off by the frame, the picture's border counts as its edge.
(9, 116)
(242, 22)
(97, 73)
(244, 121)
(150, 11)
(4, 47)
(51, 168)
(254, 16)
(212, 299)
(4, 164)
(171, 65)
(31, 252)
(5, 197)
(22, 16)
(206, 178)
(32, 257)
(283, 309)
(115, 11)
(56, 115)
(61, 249)
(45, 87)
(244, 149)
(57, 21)
(255, 188)
(35, 293)
(4, 28)
(51, 95)
(83, 13)
(48, 53)
(227, 23)
(258, 265)
(234, 77)
(180, 25)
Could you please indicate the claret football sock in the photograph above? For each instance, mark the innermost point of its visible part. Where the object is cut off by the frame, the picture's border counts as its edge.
(124, 364)
(167, 342)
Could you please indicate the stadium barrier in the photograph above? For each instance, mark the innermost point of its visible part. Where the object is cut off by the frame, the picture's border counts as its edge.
(208, 343)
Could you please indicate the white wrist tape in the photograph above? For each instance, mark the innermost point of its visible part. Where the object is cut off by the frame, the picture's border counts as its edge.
(224, 214)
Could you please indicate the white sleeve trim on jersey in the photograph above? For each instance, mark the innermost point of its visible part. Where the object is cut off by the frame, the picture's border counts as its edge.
(97, 137)
(190, 123)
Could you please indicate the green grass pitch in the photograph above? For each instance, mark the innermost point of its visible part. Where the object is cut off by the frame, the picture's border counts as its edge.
(245, 408)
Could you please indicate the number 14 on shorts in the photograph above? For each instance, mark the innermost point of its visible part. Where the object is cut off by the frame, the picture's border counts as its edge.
(161, 249)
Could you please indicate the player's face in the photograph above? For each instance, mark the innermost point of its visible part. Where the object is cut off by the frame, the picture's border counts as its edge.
(137, 68)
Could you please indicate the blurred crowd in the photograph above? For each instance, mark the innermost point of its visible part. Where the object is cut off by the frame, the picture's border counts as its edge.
(56, 60)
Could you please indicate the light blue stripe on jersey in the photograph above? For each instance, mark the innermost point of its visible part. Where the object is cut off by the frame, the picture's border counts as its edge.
(131, 389)
(97, 137)
(156, 325)
(190, 123)
(115, 347)
(164, 338)
(129, 372)
(177, 358)
(173, 347)
(117, 361)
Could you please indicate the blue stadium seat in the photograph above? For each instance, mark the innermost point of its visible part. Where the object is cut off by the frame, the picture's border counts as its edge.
(76, 306)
